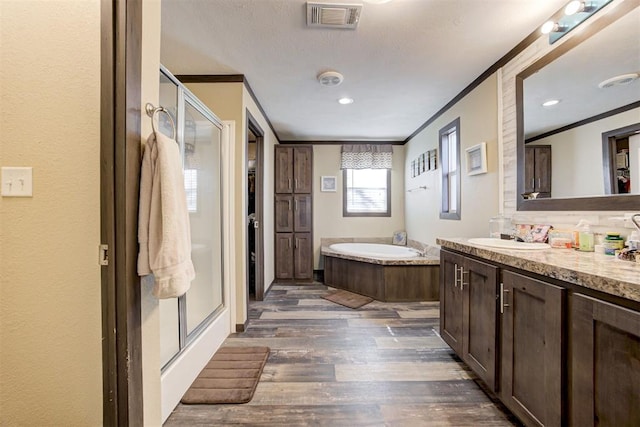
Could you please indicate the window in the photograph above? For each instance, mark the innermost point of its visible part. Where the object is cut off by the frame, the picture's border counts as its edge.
(450, 152)
(367, 192)
(191, 188)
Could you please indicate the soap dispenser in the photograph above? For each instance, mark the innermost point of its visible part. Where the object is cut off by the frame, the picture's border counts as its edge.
(586, 236)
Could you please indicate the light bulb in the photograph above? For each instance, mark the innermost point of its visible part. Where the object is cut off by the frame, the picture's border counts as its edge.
(573, 7)
(547, 27)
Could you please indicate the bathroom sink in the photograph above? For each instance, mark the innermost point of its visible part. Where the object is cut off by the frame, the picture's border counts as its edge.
(508, 244)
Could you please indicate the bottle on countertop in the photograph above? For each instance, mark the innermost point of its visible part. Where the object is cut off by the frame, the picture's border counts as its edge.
(586, 236)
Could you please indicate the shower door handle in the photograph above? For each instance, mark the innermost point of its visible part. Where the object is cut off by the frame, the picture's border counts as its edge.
(256, 224)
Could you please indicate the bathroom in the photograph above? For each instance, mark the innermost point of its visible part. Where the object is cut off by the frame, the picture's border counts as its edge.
(69, 216)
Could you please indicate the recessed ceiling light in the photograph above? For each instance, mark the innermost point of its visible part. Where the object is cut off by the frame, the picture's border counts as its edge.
(345, 101)
(550, 102)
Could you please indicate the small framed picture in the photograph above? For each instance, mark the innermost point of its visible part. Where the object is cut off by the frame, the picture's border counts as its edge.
(433, 159)
(423, 162)
(477, 159)
(413, 168)
(328, 183)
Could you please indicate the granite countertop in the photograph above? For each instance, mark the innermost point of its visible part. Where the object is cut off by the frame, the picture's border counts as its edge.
(426, 260)
(587, 269)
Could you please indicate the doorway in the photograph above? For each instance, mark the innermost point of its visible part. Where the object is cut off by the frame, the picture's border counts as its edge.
(621, 158)
(254, 202)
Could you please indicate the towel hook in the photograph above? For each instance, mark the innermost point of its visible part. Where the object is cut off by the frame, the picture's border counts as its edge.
(151, 112)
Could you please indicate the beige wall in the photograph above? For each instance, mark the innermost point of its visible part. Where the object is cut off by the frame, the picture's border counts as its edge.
(327, 206)
(479, 193)
(50, 310)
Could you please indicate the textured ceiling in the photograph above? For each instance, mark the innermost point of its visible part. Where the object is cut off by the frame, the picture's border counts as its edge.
(405, 61)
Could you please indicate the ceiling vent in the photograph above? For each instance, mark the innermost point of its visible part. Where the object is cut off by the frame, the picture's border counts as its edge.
(328, 15)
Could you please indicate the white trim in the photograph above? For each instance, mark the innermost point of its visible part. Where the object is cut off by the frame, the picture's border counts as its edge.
(228, 203)
(179, 376)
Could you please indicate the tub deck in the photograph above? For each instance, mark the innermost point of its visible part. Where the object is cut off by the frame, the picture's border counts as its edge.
(388, 280)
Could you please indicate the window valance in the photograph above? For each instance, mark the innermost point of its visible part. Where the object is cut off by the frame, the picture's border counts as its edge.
(366, 156)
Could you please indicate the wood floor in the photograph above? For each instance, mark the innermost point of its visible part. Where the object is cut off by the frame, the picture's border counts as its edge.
(381, 365)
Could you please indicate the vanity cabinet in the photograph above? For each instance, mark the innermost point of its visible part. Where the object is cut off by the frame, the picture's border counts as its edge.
(605, 363)
(537, 171)
(531, 369)
(468, 290)
(560, 357)
(293, 212)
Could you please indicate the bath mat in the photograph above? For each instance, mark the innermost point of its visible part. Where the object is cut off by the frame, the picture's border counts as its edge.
(231, 376)
(348, 299)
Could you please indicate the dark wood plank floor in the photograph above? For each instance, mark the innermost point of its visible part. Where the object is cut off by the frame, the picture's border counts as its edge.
(381, 365)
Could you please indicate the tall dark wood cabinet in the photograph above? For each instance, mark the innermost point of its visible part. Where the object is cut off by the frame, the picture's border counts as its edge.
(468, 290)
(293, 210)
(605, 363)
(531, 357)
(537, 170)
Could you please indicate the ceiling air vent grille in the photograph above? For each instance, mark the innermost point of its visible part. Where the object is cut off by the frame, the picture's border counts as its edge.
(329, 15)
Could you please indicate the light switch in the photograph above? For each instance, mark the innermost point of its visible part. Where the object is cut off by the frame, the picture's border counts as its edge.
(17, 182)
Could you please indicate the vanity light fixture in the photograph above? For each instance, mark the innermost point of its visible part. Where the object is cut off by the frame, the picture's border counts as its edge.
(576, 6)
(551, 103)
(575, 12)
(551, 27)
(345, 101)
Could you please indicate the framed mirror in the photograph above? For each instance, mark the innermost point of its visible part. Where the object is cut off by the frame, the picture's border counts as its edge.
(583, 152)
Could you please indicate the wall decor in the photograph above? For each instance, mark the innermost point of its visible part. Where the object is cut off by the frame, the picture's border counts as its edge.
(413, 168)
(476, 157)
(433, 159)
(328, 183)
(422, 162)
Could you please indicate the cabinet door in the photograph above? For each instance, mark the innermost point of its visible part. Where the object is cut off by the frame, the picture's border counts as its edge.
(451, 300)
(605, 364)
(543, 170)
(302, 169)
(283, 169)
(284, 256)
(303, 256)
(537, 170)
(479, 284)
(302, 213)
(284, 213)
(532, 355)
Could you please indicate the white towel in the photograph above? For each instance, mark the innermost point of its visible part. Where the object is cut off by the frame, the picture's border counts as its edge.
(163, 225)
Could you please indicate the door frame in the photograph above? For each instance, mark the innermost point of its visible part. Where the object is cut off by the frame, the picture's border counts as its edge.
(253, 126)
(609, 154)
(120, 136)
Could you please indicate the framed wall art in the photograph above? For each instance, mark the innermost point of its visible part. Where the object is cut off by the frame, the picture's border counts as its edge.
(476, 157)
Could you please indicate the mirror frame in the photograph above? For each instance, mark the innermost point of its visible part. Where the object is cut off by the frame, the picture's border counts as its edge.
(595, 203)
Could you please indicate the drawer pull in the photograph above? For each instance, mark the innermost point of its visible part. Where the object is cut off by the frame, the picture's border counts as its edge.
(455, 275)
(503, 304)
(462, 273)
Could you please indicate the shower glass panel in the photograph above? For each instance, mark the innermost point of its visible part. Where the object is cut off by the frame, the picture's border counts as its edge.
(202, 140)
(199, 134)
(168, 308)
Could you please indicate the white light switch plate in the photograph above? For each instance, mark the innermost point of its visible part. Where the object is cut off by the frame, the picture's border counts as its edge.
(17, 182)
